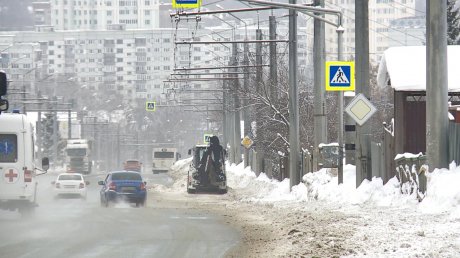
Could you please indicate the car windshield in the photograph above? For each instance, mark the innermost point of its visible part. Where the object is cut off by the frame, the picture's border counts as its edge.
(69, 177)
(132, 162)
(126, 176)
(76, 152)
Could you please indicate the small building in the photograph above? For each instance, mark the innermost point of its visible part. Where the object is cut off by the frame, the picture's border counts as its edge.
(404, 69)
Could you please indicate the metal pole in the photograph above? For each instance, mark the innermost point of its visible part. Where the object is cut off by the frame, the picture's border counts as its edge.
(246, 110)
(228, 42)
(259, 135)
(118, 145)
(55, 132)
(224, 116)
(436, 85)
(216, 68)
(69, 123)
(237, 123)
(340, 128)
(319, 55)
(221, 11)
(293, 101)
(363, 150)
(273, 59)
(258, 60)
(39, 128)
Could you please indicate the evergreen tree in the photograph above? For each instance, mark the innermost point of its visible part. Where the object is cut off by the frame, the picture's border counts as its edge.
(453, 23)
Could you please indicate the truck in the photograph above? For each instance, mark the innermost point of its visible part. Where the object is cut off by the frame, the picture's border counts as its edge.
(78, 156)
(201, 179)
(18, 169)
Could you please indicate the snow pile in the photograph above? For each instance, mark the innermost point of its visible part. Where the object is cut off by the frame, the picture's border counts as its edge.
(443, 193)
(178, 172)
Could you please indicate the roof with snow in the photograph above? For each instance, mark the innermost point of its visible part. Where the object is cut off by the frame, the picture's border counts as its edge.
(404, 68)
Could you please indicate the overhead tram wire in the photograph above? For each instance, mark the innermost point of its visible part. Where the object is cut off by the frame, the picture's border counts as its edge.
(385, 25)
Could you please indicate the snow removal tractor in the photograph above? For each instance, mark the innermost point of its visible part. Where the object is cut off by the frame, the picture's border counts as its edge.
(204, 174)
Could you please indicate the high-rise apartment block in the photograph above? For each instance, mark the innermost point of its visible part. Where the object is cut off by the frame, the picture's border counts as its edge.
(98, 14)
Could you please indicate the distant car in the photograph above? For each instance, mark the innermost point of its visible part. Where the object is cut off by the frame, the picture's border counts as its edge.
(70, 184)
(123, 186)
(132, 165)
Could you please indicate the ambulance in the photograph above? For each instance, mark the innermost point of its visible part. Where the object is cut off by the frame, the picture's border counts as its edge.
(18, 185)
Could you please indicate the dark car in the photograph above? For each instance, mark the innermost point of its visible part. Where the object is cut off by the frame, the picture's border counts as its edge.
(123, 186)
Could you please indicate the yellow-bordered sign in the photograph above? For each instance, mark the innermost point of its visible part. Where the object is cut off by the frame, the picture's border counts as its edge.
(150, 106)
(340, 76)
(177, 4)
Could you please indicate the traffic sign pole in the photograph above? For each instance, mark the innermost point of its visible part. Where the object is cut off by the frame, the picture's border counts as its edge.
(340, 128)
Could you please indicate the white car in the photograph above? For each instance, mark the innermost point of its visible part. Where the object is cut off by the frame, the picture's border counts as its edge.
(68, 184)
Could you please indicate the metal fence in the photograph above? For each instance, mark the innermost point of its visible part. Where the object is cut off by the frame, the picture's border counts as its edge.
(411, 173)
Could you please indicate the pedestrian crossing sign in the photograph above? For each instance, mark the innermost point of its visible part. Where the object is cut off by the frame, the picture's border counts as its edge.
(150, 105)
(340, 76)
(177, 4)
(207, 138)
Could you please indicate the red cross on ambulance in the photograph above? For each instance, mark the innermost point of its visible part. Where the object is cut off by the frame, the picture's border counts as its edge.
(11, 176)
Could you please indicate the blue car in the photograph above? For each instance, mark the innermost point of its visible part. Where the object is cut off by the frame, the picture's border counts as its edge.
(123, 186)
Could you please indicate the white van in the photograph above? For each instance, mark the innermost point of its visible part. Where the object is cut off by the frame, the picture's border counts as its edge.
(18, 185)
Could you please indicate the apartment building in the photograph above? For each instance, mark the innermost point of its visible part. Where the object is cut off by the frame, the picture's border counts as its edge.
(23, 62)
(134, 63)
(98, 14)
(381, 15)
(138, 63)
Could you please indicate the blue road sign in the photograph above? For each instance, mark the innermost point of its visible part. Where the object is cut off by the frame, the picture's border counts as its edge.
(150, 106)
(340, 76)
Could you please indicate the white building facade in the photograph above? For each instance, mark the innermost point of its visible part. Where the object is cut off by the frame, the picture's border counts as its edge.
(98, 14)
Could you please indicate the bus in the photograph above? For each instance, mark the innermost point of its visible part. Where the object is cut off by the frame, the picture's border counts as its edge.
(163, 159)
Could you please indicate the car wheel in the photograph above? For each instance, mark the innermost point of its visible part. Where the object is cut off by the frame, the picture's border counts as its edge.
(104, 202)
(191, 191)
(27, 211)
(140, 203)
(222, 191)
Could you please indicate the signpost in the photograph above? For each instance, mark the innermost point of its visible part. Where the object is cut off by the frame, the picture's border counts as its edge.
(360, 109)
(340, 76)
(150, 106)
(177, 4)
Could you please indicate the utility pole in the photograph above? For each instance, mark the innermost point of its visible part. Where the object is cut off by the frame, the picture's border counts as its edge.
(39, 128)
(246, 110)
(273, 59)
(224, 114)
(55, 132)
(363, 141)
(436, 85)
(294, 138)
(118, 145)
(259, 84)
(236, 123)
(319, 56)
